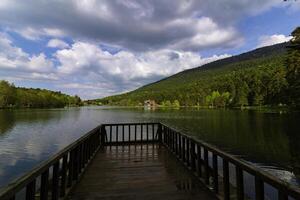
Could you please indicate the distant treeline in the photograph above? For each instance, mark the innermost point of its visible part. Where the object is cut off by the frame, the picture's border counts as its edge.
(267, 76)
(11, 96)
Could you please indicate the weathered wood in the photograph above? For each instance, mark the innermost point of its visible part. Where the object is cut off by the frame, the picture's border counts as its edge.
(129, 133)
(206, 167)
(215, 174)
(149, 172)
(55, 180)
(193, 157)
(282, 195)
(30, 190)
(71, 168)
(64, 176)
(239, 183)
(44, 185)
(199, 160)
(259, 189)
(226, 180)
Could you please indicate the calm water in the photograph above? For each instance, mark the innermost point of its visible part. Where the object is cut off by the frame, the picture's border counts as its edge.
(269, 140)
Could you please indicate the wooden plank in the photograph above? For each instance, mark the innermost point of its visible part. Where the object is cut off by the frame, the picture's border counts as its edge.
(117, 174)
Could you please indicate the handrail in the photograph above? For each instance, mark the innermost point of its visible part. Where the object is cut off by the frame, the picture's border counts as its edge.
(10, 191)
(284, 189)
(130, 133)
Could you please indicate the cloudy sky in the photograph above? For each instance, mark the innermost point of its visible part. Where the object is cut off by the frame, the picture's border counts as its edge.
(98, 48)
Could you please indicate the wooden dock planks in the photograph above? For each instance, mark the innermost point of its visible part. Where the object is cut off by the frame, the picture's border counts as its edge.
(138, 172)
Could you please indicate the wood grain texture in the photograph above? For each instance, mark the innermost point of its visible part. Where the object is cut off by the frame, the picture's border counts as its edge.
(138, 172)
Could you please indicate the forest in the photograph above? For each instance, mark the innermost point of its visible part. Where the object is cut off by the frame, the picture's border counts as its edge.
(16, 97)
(265, 76)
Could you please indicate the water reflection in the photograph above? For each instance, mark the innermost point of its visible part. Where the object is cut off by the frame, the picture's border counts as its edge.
(7, 121)
(293, 134)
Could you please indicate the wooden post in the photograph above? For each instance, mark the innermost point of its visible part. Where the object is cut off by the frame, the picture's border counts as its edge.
(282, 195)
(153, 136)
(75, 162)
(135, 133)
(193, 156)
(159, 133)
(226, 179)
(183, 149)
(176, 143)
(110, 133)
(123, 134)
(71, 168)
(103, 135)
(30, 190)
(188, 152)
(44, 185)
(64, 176)
(129, 133)
(239, 183)
(215, 173)
(199, 159)
(179, 146)
(117, 133)
(141, 132)
(206, 166)
(259, 188)
(147, 132)
(55, 180)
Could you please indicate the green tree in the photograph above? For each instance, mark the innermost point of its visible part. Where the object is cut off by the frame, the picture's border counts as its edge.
(168, 103)
(209, 101)
(242, 95)
(7, 94)
(176, 103)
(293, 68)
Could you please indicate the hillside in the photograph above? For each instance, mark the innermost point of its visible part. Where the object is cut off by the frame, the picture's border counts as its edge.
(257, 77)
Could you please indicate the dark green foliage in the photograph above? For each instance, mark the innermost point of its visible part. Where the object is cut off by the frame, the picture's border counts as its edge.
(11, 96)
(250, 79)
(7, 94)
(293, 68)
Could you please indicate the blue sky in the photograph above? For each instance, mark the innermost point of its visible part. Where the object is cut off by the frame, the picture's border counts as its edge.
(99, 48)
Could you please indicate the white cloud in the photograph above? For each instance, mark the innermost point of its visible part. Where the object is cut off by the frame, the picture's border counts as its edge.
(56, 43)
(35, 33)
(14, 59)
(268, 40)
(135, 25)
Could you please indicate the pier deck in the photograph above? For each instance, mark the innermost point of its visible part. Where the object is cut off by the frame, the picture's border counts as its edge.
(145, 171)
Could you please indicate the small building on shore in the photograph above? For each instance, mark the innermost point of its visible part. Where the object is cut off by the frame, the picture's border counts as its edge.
(149, 104)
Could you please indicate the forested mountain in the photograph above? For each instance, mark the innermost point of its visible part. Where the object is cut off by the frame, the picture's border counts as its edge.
(254, 78)
(11, 96)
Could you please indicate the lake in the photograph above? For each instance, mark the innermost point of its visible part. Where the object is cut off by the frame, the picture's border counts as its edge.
(270, 140)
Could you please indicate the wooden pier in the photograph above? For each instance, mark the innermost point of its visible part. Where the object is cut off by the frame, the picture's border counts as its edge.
(145, 171)
(143, 161)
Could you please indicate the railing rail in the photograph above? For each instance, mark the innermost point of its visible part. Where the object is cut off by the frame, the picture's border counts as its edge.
(129, 133)
(194, 154)
(67, 166)
(57, 175)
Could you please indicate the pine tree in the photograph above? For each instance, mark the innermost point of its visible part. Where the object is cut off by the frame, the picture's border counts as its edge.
(293, 68)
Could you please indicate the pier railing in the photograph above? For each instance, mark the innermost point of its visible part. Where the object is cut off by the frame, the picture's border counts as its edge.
(203, 160)
(131, 133)
(55, 178)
